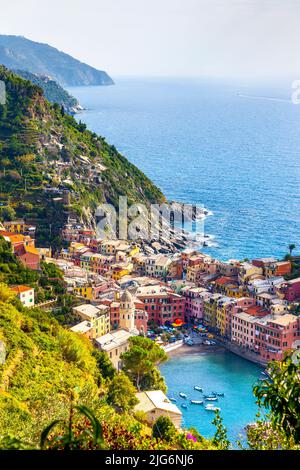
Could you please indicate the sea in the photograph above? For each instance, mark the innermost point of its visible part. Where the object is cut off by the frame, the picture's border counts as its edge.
(234, 148)
(221, 372)
(229, 146)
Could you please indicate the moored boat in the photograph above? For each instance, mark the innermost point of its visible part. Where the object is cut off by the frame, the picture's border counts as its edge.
(173, 400)
(212, 408)
(184, 406)
(197, 402)
(182, 395)
(211, 398)
(199, 389)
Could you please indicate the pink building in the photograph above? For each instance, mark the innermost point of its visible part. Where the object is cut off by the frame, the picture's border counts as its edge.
(290, 290)
(243, 330)
(197, 309)
(274, 335)
(243, 304)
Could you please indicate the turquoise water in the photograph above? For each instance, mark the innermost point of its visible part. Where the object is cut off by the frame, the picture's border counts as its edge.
(232, 147)
(219, 372)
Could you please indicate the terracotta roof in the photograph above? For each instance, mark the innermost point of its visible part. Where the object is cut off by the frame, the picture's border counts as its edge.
(224, 280)
(20, 289)
(256, 310)
(32, 250)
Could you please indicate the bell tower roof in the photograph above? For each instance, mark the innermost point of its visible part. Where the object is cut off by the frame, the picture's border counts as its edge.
(126, 297)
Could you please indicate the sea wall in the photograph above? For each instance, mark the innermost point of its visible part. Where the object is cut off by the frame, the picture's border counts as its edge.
(242, 352)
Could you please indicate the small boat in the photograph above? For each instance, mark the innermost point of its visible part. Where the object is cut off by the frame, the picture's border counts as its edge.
(197, 402)
(173, 400)
(199, 389)
(184, 406)
(182, 395)
(211, 398)
(212, 408)
(220, 394)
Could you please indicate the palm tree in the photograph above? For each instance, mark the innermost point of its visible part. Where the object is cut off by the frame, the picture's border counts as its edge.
(292, 246)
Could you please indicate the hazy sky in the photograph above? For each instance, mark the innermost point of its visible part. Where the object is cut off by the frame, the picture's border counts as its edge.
(232, 38)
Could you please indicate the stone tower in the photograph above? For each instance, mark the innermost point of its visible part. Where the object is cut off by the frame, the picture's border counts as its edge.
(127, 311)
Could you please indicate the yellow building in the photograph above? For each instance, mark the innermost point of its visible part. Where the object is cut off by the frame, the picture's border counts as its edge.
(121, 270)
(210, 310)
(192, 273)
(16, 226)
(222, 315)
(118, 273)
(246, 270)
(234, 291)
(96, 318)
(84, 291)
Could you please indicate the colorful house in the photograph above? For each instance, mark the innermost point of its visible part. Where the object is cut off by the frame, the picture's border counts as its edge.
(98, 318)
(275, 335)
(290, 290)
(280, 268)
(25, 295)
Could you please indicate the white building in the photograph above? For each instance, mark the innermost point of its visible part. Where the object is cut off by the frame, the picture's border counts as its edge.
(156, 404)
(115, 344)
(25, 294)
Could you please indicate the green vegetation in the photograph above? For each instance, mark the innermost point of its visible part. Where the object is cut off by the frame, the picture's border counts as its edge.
(54, 395)
(141, 361)
(220, 438)
(163, 428)
(280, 428)
(52, 167)
(53, 92)
(121, 393)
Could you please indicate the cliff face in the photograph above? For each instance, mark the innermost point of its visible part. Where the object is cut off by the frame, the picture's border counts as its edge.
(45, 155)
(17, 52)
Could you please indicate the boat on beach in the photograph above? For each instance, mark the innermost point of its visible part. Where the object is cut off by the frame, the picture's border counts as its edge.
(182, 395)
(197, 402)
(199, 389)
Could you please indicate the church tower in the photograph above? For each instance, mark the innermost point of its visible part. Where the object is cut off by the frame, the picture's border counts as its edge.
(127, 311)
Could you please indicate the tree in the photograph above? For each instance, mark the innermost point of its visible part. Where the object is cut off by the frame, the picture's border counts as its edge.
(141, 361)
(292, 246)
(121, 394)
(7, 213)
(281, 395)
(164, 429)
(220, 438)
(6, 294)
(104, 364)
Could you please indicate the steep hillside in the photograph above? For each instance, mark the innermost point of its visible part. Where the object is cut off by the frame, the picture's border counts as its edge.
(45, 154)
(17, 52)
(53, 92)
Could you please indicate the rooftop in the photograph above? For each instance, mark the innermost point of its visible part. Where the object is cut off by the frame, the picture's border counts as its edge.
(114, 339)
(88, 310)
(155, 399)
(20, 289)
(82, 327)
